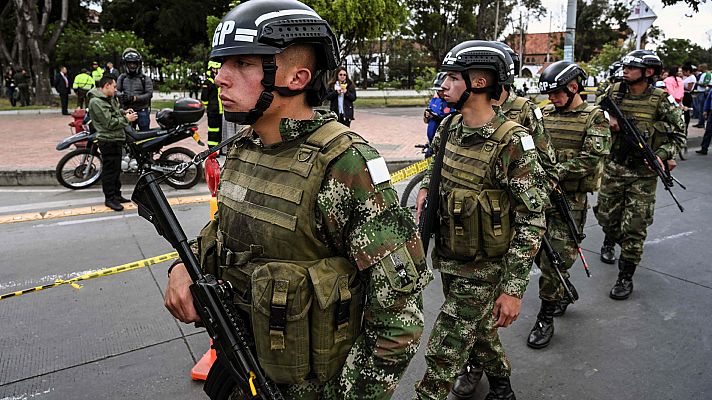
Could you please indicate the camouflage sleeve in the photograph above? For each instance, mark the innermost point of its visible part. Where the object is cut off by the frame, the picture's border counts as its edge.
(547, 156)
(672, 116)
(526, 182)
(596, 145)
(365, 221)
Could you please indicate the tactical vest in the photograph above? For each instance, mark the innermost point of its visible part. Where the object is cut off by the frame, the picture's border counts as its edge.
(474, 214)
(514, 109)
(644, 110)
(305, 304)
(568, 130)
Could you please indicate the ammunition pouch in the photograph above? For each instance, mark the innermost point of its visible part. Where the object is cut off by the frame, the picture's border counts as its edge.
(476, 223)
(305, 315)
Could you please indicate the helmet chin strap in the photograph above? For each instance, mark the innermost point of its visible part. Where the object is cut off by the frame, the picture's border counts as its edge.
(269, 66)
(492, 89)
(642, 77)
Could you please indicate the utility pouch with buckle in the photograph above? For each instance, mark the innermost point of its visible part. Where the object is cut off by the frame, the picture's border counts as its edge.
(495, 222)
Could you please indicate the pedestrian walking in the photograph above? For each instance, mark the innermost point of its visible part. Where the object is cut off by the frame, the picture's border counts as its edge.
(23, 81)
(11, 86)
(704, 83)
(341, 93)
(490, 173)
(626, 200)
(707, 114)
(61, 84)
(301, 188)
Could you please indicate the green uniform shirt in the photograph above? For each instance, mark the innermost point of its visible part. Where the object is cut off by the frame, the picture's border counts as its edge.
(107, 117)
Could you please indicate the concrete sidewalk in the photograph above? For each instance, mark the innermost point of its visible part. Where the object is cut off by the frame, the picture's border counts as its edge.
(29, 156)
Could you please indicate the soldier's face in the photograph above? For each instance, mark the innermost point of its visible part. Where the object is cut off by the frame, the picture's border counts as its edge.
(559, 97)
(632, 73)
(453, 87)
(240, 81)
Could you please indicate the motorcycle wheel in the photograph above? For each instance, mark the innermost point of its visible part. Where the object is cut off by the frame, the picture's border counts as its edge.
(79, 169)
(188, 178)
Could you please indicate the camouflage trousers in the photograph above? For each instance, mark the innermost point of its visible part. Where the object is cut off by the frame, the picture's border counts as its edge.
(392, 327)
(464, 329)
(550, 287)
(626, 203)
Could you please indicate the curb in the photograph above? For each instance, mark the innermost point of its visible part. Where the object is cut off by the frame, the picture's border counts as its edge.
(46, 177)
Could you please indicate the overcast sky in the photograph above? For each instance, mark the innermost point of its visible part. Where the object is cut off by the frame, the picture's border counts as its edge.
(677, 21)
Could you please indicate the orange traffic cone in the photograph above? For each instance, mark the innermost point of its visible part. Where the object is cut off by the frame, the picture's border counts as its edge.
(201, 369)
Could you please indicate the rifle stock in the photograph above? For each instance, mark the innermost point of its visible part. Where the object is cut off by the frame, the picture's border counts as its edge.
(562, 205)
(558, 264)
(237, 363)
(641, 145)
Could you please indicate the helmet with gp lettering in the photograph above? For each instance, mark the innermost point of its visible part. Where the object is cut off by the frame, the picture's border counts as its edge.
(438, 81)
(479, 54)
(266, 28)
(516, 62)
(643, 59)
(132, 60)
(558, 75)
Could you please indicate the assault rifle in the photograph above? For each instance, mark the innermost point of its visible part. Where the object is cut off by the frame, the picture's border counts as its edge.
(562, 205)
(558, 264)
(640, 142)
(236, 363)
(429, 216)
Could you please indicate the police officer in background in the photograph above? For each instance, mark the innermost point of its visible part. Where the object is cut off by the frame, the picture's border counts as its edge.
(492, 196)
(210, 96)
(626, 202)
(83, 83)
(135, 89)
(581, 139)
(301, 188)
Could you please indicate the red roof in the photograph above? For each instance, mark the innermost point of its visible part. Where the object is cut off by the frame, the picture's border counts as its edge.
(535, 43)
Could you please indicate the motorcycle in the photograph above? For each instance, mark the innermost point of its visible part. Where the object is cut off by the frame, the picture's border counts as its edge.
(81, 167)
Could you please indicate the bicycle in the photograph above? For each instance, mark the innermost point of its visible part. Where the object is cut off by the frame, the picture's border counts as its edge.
(409, 195)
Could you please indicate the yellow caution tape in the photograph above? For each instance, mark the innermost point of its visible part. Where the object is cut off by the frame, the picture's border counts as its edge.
(73, 212)
(410, 170)
(96, 274)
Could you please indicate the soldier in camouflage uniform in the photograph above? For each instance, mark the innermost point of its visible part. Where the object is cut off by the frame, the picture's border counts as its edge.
(308, 229)
(626, 202)
(524, 112)
(492, 196)
(581, 138)
(615, 74)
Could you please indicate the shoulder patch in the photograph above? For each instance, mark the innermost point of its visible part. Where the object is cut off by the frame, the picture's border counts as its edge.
(378, 170)
(671, 100)
(537, 113)
(607, 115)
(527, 142)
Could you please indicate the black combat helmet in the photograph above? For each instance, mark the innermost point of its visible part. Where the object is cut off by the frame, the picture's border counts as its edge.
(643, 59)
(266, 28)
(558, 75)
(614, 68)
(438, 81)
(479, 54)
(516, 62)
(132, 60)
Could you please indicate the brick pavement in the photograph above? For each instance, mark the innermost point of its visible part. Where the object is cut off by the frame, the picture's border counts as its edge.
(29, 140)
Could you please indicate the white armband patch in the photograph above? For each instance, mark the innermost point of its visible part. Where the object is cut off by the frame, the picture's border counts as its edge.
(378, 170)
(607, 115)
(527, 143)
(671, 100)
(537, 113)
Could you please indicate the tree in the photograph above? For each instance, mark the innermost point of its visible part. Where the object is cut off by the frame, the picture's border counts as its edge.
(675, 52)
(598, 23)
(609, 54)
(32, 31)
(171, 28)
(694, 4)
(357, 22)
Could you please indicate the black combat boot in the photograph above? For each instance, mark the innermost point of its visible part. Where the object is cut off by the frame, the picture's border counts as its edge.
(500, 389)
(624, 285)
(563, 304)
(608, 251)
(543, 329)
(466, 382)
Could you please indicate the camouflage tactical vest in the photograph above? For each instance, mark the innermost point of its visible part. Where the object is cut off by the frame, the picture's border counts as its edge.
(474, 214)
(305, 303)
(514, 109)
(568, 130)
(643, 109)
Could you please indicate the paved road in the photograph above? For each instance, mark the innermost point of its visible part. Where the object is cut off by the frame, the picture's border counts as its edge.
(112, 339)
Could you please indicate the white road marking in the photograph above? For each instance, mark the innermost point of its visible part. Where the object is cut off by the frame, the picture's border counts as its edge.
(662, 239)
(26, 396)
(85, 221)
